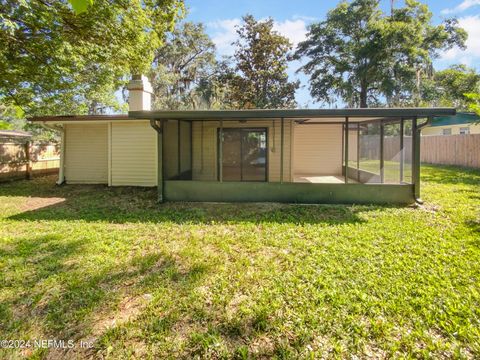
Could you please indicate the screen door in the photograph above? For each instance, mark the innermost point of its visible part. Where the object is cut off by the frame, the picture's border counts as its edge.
(244, 154)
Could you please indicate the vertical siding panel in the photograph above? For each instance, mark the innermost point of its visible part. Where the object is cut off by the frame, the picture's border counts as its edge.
(318, 150)
(86, 153)
(134, 154)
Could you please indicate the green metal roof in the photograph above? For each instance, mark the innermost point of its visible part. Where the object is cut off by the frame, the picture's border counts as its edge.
(458, 119)
(291, 113)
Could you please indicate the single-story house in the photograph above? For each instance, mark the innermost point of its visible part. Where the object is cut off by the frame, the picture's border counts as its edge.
(17, 136)
(463, 123)
(301, 155)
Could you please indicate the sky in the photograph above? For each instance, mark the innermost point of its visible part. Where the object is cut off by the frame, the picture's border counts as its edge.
(293, 17)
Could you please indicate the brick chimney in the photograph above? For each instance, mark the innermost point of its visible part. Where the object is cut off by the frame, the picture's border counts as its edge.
(140, 93)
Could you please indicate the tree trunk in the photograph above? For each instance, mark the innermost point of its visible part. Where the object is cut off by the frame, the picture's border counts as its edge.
(363, 95)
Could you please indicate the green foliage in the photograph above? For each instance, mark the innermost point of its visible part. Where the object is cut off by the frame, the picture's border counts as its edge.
(448, 87)
(360, 55)
(182, 68)
(54, 61)
(473, 102)
(80, 6)
(5, 125)
(261, 58)
(187, 75)
(12, 117)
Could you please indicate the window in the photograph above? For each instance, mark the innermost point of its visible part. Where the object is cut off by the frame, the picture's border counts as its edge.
(244, 154)
(447, 131)
(464, 130)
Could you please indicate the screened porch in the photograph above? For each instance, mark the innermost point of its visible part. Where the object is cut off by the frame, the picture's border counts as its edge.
(308, 156)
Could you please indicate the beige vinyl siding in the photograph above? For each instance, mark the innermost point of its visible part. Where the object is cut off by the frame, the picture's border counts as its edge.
(133, 154)
(455, 129)
(86, 153)
(352, 146)
(204, 142)
(317, 149)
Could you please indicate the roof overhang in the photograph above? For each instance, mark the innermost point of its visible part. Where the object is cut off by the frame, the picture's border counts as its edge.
(15, 134)
(78, 118)
(303, 114)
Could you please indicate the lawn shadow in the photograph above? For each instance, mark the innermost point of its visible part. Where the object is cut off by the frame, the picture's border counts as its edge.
(51, 293)
(474, 227)
(98, 203)
(446, 174)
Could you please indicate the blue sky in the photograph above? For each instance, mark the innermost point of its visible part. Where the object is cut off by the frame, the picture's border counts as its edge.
(293, 17)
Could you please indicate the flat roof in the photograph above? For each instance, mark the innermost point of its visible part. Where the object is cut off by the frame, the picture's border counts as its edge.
(63, 118)
(364, 114)
(14, 133)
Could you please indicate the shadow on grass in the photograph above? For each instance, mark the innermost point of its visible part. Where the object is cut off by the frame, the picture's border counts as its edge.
(49, 291)
(474, 227)
(443, 174)
(98, 203)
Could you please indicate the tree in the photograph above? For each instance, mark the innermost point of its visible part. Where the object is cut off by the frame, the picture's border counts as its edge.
(451, 86)
(183, 66)
(413, 44)
(12, 117)
(214, 91)
(80, 6)
(53, 60)
(473, 102)
(260, 64)
(362, 55)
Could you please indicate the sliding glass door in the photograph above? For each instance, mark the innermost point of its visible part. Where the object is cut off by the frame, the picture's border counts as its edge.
(244, 154)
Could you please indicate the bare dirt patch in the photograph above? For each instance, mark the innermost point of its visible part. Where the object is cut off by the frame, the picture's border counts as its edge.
(35, 203)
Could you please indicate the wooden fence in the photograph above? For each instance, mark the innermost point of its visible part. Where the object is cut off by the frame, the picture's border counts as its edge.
(370, 148)
(24, 160)
(462, 150)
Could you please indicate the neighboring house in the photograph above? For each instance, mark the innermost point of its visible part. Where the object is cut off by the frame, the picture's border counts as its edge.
(248, 155)
(460, 124)
(14, 136)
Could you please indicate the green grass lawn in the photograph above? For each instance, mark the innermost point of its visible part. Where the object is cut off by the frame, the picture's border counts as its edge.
(137, 279)
(391, 170)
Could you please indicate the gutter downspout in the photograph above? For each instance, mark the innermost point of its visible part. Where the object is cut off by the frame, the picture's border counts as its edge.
(418, 129)
(159, 129)
(61, 169)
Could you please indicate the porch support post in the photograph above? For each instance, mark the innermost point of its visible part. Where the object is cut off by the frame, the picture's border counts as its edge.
(402, 150)
(382, 155)
(220, 151)
(28, 165)
(179, 163)
(346, 149)
(282, 140)
(159, 127)
(416, 159)
(358, 152)
(61, 170)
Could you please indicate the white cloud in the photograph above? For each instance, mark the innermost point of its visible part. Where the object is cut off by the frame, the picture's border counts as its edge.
(295, 30)
(464, 5)
(224, 32)
(471, 55)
